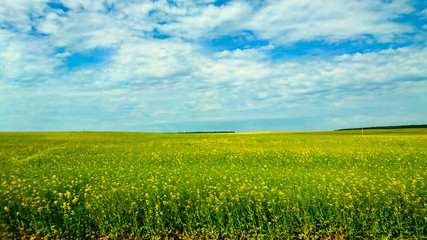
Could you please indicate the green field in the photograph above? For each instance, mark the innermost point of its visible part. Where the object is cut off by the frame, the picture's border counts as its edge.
(214, 186)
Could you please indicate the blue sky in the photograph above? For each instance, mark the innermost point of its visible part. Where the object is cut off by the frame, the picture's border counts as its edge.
(154, 66)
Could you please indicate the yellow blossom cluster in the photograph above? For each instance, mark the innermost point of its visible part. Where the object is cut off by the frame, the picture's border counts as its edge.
(266, 185)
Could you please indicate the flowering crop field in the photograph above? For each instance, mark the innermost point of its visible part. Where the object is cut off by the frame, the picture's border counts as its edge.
(214, 186)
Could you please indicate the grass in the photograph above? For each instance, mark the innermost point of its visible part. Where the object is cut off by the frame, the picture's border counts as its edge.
(215, 186)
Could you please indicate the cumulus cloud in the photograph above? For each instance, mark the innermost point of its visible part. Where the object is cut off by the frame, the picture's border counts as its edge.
(82, 30)
(17, 15)
(290, 21)
(27, 60)
(209, 21)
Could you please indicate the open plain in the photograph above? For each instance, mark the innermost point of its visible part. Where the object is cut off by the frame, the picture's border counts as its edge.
(214, 186)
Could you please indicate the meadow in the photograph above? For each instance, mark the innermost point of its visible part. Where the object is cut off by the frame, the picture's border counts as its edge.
(313, 185)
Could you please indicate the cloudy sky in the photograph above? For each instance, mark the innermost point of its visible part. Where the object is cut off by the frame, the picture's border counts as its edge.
(154, 66)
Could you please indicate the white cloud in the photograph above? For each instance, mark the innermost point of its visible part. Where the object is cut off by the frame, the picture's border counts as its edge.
(230, 87)
(209, 21)
(286, 22)
(28, 60)
(155, 62)
(177, 79)
(17, 13)
(88, 24)
(423, 14)
(283, 22)
(80, 31)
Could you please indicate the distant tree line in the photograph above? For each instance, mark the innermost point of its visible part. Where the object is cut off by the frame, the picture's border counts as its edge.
(386, 127)
(210, 132)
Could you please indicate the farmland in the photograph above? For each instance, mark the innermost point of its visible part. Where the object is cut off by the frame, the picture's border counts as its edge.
(224, 185)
